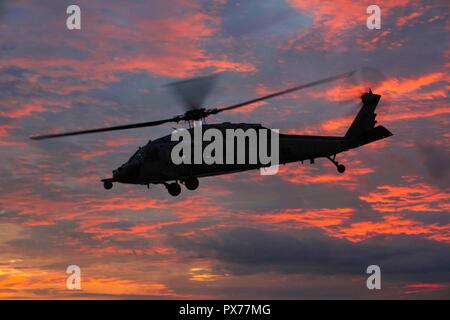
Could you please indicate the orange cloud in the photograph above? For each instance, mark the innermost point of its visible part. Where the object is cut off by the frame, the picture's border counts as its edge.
(24, 110)
(337, 223)
(407, 98)
(421, 287)
(334, 125)
(90, 154)
(427, 285)
(401, 21)
(402, 86)
(39, 283)
(340, 125)
(250, 107)
(301, 218)
(170, 47)
(393, 88)
(4, 130)
(312, 175)
(91, 214)
(416, 197)
(203, 274)
(333, 19)
(392, 225)
(182, 64)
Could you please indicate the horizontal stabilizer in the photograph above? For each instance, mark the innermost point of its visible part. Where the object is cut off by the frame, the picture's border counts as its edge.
(372, 135)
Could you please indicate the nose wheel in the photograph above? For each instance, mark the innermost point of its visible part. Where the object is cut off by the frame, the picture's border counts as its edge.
(340, 167)
(107, 185)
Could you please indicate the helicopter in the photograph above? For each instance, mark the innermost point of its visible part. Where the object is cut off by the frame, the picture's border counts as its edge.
(152, 163)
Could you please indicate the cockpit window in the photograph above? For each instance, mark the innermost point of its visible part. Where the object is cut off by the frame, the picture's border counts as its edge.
(136, 156)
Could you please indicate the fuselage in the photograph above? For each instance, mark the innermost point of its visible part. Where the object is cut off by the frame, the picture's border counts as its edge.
(153, 163)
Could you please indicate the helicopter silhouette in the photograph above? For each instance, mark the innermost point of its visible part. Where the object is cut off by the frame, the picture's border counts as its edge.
(152, 163)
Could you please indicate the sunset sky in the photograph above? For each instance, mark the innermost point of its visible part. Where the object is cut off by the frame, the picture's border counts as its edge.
(307, 232)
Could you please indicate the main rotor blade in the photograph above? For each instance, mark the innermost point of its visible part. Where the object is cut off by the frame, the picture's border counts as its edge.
(276, 94)
(123, 127)
(192, 93)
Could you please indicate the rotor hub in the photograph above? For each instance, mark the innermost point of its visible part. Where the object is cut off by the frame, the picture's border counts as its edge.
(195, 114)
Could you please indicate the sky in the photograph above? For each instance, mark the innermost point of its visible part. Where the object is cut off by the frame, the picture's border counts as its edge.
(305, 233)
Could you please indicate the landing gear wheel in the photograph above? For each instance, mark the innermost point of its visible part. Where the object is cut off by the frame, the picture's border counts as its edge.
(174, 189)
(340, 167)
(191, 183)
(107, 185)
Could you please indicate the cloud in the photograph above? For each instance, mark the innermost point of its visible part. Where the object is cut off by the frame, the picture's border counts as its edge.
(436, 160)
(301, 218)
(169, 45)
(333, 22)
(402, 21)
(308, 232)
(248, 250)
(413, 197)
(392, 225)
(36, 283)
(326, 175)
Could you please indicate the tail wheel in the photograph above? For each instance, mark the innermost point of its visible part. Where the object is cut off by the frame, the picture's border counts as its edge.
(340, 167)
(174, 189)
(191, 183)
(107, 185)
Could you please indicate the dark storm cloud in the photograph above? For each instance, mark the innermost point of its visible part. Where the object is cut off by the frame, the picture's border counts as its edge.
(245, 251)
(436, 159)
(66, 242)
(60, 238)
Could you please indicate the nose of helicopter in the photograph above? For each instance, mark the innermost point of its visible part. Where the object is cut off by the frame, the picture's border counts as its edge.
(118, 174)
(126, 173)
